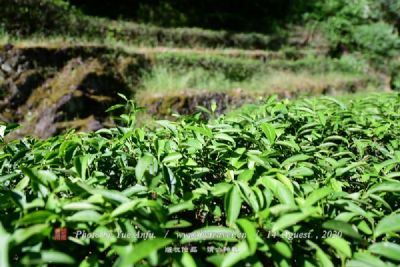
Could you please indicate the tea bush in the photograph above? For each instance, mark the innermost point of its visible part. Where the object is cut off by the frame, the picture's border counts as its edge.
(309, 182)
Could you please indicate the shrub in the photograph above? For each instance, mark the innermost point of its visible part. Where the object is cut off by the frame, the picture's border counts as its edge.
(363, 25)
(377, 38)
(312, 182)
(395, 76)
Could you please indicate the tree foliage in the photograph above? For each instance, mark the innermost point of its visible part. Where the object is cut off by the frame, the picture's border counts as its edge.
(31, 16)
(232, 15)
(367, 25)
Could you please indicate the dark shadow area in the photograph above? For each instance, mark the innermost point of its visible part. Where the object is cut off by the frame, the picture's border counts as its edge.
(238, 16)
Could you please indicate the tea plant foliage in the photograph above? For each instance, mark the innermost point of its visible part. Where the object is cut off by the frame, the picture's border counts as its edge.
(309, 182)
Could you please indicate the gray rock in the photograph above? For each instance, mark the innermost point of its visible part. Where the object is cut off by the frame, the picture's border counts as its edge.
(6, 67)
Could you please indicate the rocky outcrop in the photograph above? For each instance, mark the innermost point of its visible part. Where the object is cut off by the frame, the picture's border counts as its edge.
(49, 89)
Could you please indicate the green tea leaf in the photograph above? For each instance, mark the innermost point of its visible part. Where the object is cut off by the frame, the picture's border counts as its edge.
(385, 187)
(386, 249)
(317, 195)
(174, 156)
(269, 132)
(365, 260)
(323, 259)
(4, 244)
(21, 235)
(295, 159)
(222, 136)
(38, 216)
(340, 245)
(142, 165)
(177, 224)
(342, 227)
(240, 252)
(81, 205)
(112, 195)
(283, 249)
(186, 260)
(246, 175)
(232, 205)
(144, 249)
(125, 207)
(388, 224)
(48, 257)
(81, 165)
(85, 216)
(290, 219)
(301, 171)
(186, 205)
(251, 234)
(284, 195)
(341, 171)
(248, 195)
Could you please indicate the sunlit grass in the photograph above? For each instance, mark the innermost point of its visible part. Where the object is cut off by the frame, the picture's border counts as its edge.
(165, 80)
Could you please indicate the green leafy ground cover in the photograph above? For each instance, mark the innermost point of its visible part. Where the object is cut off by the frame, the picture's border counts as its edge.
(309, 182)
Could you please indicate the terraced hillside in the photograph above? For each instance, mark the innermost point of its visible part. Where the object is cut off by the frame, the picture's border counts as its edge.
(60, 68)
(54, 86)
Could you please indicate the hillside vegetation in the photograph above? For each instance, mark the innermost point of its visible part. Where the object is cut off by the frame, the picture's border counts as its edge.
(72, 85)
